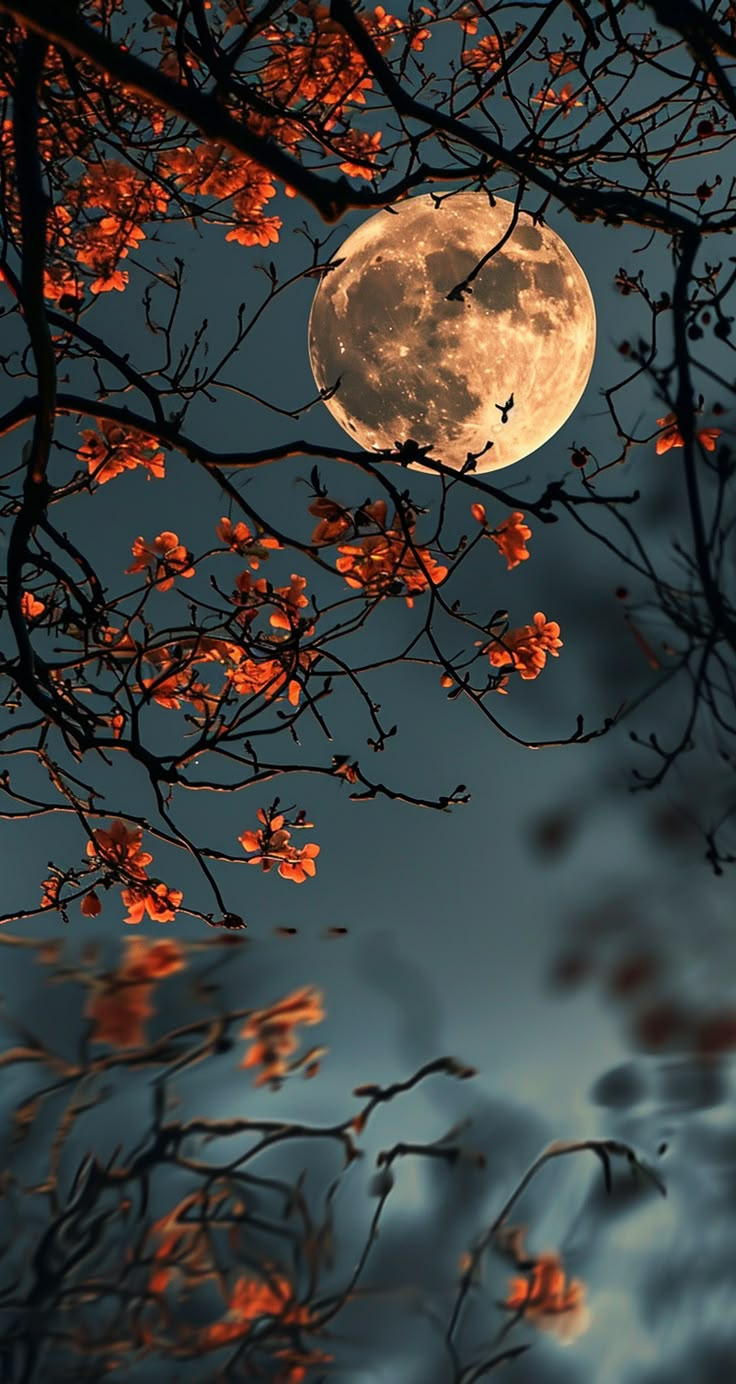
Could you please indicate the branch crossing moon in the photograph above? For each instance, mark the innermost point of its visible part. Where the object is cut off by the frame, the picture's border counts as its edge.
(516, 345)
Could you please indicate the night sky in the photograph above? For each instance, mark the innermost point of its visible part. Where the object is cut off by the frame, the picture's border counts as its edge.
(456, 921)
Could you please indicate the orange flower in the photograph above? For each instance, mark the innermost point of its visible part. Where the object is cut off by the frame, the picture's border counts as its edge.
(30, 607)
(526, 649)
(293, 599)
(559, 63)
(90, 907)
(272, 846)
(62, 286)
(120, 846)
(181, 1246)
(251, 1300)
(51, 889)
(564, 99)
(153, 898)
(672, 437)
(485, 56)
(334, 520)
(115, 449)
(549, 1301)
(478, 512)
(467, 16)
(359, 150)
(240, 540)
(273, 1035)
(382, 563)
(166, 555)
(267, 677)
(510, 539)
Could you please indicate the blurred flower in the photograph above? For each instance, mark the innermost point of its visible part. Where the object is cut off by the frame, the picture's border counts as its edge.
(251, 1300)
(563, 99)
(672, 437)
(152, 960)
(119, 1012)
(548, 1301)
(272, 1030)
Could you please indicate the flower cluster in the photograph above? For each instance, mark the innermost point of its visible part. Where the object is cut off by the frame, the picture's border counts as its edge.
(388, 562)
(117, 852)
(272, 844)
(114, 448)
(250, 1300)
(525, 650)
(209, 170)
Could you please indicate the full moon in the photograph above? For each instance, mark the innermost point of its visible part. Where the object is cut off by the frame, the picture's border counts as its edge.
(446, 372)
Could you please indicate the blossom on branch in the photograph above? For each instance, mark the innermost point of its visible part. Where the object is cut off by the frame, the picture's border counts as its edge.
(154, 898)
(165, 556)
(272, 844)
(525, 650)
(382, 564)
(510, 538)
(334, 520)
(30, 606)
(120, 846)
(239, 539)
(115, 448)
